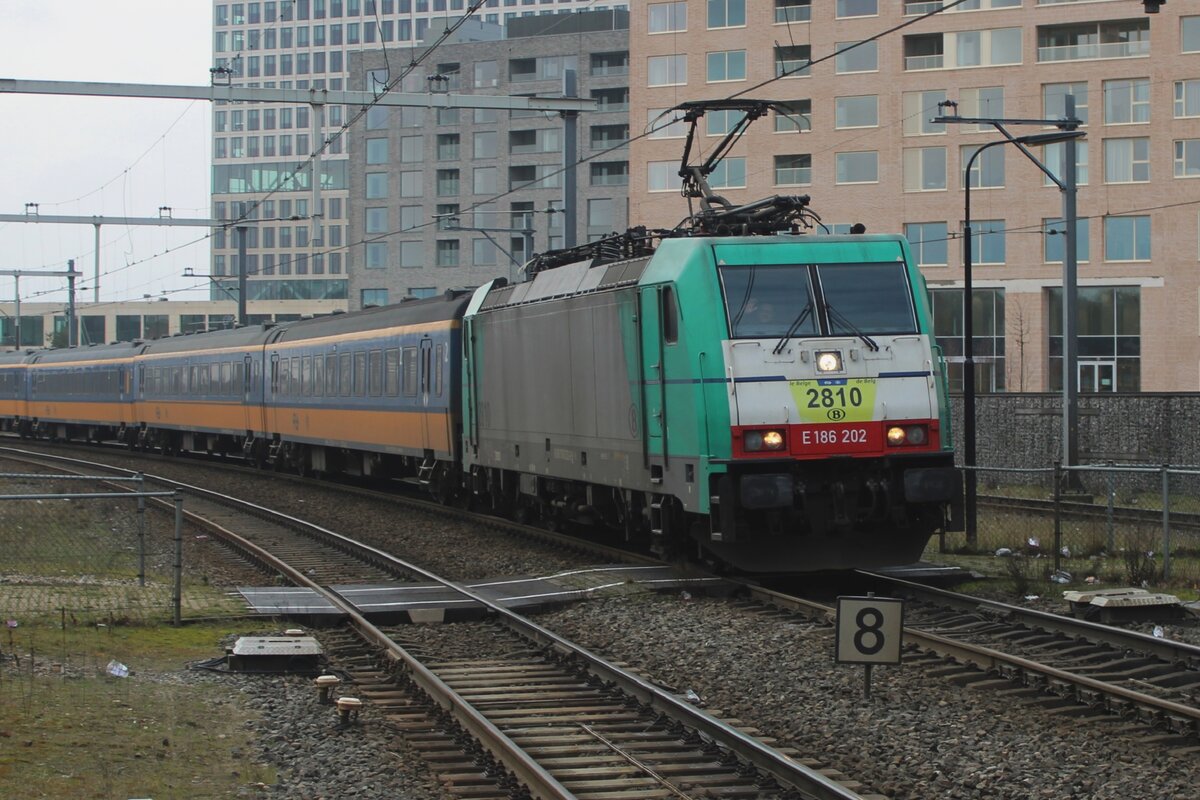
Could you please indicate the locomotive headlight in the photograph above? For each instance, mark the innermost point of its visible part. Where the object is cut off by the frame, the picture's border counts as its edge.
(916, 434)
(829, 361)
(761, 441)
(896, 436)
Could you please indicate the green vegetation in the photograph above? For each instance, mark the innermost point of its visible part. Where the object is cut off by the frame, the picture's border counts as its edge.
(71, 730)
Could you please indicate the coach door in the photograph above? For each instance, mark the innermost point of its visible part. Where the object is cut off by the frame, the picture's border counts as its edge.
(425, 368)
(252, 397)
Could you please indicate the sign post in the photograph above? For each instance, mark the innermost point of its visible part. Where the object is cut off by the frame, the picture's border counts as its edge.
(870, 631)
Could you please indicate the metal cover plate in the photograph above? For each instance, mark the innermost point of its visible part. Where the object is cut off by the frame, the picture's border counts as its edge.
(1089, 595)
(277, 646)
(1136, 601)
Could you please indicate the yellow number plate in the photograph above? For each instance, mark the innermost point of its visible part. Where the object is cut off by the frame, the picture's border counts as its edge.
(835, 399)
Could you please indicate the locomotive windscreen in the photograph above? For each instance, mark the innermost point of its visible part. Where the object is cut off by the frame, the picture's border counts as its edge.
(790, 300)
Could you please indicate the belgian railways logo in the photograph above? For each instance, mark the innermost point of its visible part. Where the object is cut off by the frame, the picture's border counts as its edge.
(836, 414)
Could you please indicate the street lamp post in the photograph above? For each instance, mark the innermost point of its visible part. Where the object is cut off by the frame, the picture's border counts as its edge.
(971, 488)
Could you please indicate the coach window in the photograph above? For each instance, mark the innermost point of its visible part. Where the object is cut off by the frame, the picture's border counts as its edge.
(331, 375)
(285, 376)
(241, 375)
(214, 372)
(226, 378)
(391, 361)
(410, 372)
(376, 371)
(318, 378)
(306, 382)
(296, 391)
(360, 373)
(347, 373)
(439, 354)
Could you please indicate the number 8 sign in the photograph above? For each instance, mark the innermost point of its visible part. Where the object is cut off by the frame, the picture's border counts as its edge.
(869, 630)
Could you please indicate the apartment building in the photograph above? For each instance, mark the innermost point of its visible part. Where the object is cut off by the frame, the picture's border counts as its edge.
(295, 251)
(862, 143)
(446, 197)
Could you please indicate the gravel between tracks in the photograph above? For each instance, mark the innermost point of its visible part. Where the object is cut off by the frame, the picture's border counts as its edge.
(916, 737)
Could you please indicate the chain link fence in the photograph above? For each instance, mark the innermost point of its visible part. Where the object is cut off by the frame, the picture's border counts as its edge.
(76, 554)
(1115, 523)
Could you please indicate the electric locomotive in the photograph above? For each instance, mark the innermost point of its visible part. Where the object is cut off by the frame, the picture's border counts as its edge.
(772, 399)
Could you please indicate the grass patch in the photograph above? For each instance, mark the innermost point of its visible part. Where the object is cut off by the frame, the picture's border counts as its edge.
(68, 729)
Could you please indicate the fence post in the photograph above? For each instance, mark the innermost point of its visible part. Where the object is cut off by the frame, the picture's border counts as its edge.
(1112, 491)
(1166, 522)
(177, 598)
(141, 528)
(1058, 479)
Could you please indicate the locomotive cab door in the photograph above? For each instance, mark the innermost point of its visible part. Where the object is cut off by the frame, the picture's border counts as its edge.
(653, 372)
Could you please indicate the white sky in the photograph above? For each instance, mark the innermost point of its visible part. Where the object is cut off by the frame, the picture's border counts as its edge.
(105, 156)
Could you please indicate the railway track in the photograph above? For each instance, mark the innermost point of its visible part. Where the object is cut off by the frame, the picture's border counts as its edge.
(507, 708)
(1068, 666)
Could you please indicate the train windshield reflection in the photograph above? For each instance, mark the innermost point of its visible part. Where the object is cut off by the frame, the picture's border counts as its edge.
(798, 300)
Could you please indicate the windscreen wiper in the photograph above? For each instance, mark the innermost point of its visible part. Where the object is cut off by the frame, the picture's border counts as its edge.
(791, 331)
(840, 319)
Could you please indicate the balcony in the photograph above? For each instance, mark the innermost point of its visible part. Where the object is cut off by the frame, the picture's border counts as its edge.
(1080, 52)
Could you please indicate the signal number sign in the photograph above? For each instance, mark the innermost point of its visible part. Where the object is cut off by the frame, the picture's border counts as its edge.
(869, 630)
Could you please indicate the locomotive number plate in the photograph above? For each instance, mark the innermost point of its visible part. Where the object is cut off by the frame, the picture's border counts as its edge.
(835, 399)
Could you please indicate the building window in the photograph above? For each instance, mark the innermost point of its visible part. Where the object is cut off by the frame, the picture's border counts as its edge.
(721, 121)
(667, 17)
(1127, 238)
(483, 252)
(858, 167)
(980, 103)
(792, 61)
(374, 297)
(1189, 34)
(412, 254)
(447, 252)
(793, 170)
(919, 109)
(1087, 40)
(1126, 101)
(483, 180)
(856, 112)
(609, 173)
(605, 65)
(987, 343)
(857, 8)
(988, 241)
(1054, 240)
(447, 183)
(377, 151)
(375, 255)
(600, 213)
(484, 144)
(726, 65)
(928, 242)
(793, 11)
(1053, 155)
(1187, 158)
(410, 217)
(861, 57)
(924, 51)
(663, 176)
(798, 117)
(663, 123)
(376, 186)
(412, 149)
(667, 70)
(1127, 160)
(924, 169)
(487, 74)
(729, 173)
(376, 220)
(1108, 327)
(1187, 98)
(447, 146)
(411, 184)
(726, 13)
(606, 136)
(1054, 103)
(987, 172)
